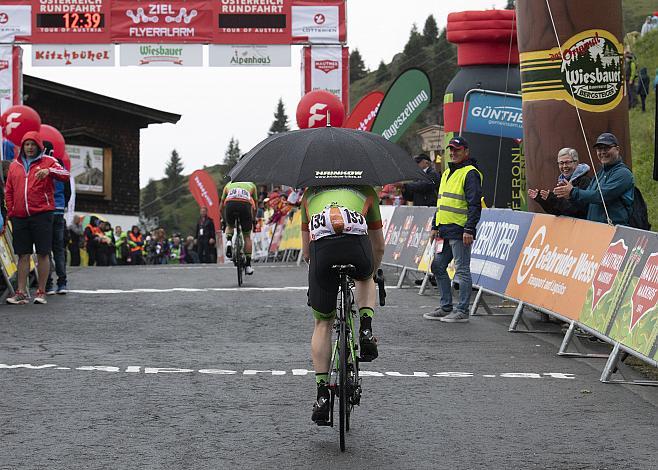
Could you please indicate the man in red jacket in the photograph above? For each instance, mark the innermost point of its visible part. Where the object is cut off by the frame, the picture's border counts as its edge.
(30, 198)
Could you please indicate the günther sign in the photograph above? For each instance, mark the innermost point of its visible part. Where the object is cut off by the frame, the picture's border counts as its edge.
(500, 116)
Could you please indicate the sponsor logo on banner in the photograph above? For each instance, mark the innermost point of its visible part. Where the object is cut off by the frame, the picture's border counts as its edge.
(363, 115)
(71, 22)
(71, 55)
(4, 65)
(608, 270)
(249, 56)
(589, 69)
(204, 190)
(162, 55)
(6, 81)
(407, 97)
(325, 68)
(495, 115)
(15, 20)
(557, 263)
(174, 21)
(316, 24)
(329, 174)
(645, 296)
(500, 237)
(327, 65)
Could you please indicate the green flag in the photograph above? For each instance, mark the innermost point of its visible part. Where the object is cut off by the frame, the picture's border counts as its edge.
(406, 98)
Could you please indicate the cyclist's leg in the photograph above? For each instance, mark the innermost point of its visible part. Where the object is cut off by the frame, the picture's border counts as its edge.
(229, 218)
(246, 222)
(366, 296)
(323, 290)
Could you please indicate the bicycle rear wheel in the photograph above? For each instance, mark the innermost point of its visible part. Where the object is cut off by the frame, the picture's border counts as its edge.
(343, 356)
(237, 255)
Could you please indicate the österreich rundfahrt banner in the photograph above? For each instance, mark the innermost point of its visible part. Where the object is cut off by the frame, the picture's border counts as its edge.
(326, 68)
(407, 97)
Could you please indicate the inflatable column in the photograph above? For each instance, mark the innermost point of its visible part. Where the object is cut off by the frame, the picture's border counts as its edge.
(488, 58)
(580, 70)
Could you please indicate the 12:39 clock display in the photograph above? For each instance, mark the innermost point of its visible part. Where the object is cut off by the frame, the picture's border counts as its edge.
(71, 20)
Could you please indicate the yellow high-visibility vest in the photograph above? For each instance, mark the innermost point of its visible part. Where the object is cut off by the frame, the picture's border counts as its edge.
(452, 207)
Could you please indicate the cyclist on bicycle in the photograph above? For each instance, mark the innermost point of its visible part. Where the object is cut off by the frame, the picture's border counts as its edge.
(239, 202)
(340, 225)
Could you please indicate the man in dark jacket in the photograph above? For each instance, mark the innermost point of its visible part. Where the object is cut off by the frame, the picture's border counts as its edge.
(205, 236)
(423, 193)
(614, 182)
(458, 213)
(570, 171)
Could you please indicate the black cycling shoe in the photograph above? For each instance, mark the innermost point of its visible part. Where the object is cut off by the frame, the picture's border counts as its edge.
(368, 344)
(229, 250)
(321, 410)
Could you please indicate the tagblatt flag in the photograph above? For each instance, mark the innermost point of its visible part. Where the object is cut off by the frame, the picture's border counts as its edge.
(407, 97)
(204, 190)
(364, 113)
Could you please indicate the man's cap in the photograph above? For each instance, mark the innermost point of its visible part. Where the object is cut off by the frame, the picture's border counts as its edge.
(421, 157)
(606, 139)
(458, 143)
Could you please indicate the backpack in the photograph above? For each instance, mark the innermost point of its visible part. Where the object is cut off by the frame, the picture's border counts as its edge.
(639, 215)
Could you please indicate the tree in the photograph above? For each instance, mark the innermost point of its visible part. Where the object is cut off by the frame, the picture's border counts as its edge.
(414, 51)
(232, 154)
(382, 74)
(151, 205)
(358, 68)
(280, 123)
(174, 176)
(430, 31)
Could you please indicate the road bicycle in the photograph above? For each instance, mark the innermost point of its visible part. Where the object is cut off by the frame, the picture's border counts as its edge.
(344, 380)
(239, 259)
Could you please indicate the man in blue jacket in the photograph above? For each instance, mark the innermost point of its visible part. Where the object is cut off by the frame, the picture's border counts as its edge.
(614, 181)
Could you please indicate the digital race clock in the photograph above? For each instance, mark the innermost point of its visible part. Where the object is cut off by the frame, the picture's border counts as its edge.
(70, 21)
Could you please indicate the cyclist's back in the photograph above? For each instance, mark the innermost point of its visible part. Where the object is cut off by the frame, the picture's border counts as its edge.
(340, 225)
(238, 203)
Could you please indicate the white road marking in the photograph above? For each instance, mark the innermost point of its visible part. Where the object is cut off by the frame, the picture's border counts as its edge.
(193, 289)
(278, 372)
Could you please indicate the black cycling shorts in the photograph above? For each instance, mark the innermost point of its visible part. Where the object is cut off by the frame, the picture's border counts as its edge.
(323, 281)
(33, 231)
(241, 211)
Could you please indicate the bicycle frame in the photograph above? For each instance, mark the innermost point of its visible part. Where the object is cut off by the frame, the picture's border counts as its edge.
(344, 380)
(238, 253)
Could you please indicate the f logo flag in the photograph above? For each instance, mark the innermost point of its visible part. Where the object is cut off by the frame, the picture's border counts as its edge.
(315, 116)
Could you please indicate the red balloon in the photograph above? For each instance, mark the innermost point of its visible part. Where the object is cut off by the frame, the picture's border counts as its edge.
(53, 136)
(315, 106)
(18, 120)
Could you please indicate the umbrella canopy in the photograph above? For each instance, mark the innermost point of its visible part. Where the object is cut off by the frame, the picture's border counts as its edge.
(326, 156)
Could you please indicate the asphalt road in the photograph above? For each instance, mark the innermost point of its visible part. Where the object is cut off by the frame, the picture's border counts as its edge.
(176, 368)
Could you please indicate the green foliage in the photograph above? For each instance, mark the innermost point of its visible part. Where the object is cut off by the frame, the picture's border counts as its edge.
(174, 177)
(232, 154)
(382, 74)
(280, 123)
(430, 30)
(358, 68)
(643, 128)
(151, 204)
(635, 12)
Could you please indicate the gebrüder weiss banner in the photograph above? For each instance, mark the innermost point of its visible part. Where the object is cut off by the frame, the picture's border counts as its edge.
(162, 22)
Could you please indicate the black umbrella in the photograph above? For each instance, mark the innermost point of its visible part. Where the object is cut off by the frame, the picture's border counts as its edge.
(326, 156)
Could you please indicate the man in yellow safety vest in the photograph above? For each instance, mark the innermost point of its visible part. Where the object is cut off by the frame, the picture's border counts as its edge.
(457, 215)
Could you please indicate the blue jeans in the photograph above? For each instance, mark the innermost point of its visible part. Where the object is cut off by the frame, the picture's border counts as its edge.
(462, 255)
(59, 251)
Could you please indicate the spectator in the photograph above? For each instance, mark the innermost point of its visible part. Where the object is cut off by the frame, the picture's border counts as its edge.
(92, 237)
(191, 256)
(105, 246)
(58, 256)
(643, 87)
(205, 236)
(423, 193)
(630, 72)
(572, 171)
(457, 215)
(136, 244)
(391, 195)
(75, 240)
(30, 196)
(176, 251)
(614, 182)
(158, 248)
